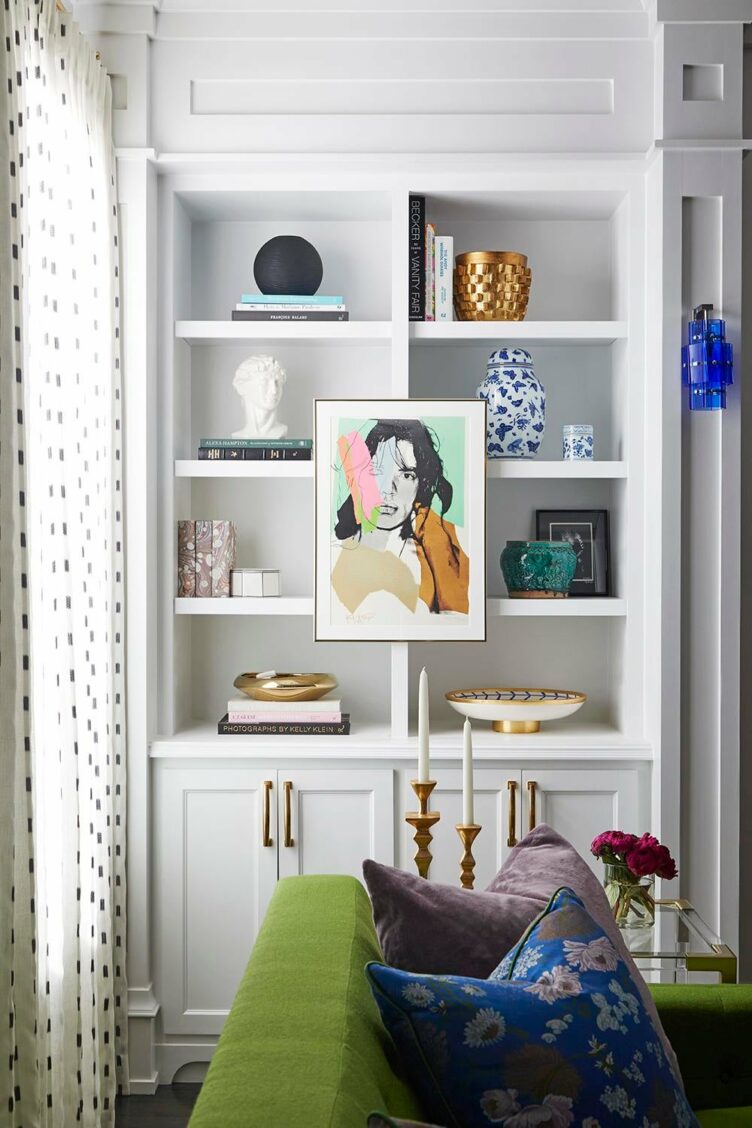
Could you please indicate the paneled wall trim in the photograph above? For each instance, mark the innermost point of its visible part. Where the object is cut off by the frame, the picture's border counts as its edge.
(608, 131)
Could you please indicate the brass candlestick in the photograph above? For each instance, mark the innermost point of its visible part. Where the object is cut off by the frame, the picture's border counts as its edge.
(468, 832)
(423, 820)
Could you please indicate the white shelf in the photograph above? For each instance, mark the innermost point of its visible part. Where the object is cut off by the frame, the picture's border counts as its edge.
(556, 742)
(570, 607)
(204, 468)
(268, 605)
(496, 468)
(571, 468)
(496, 606)
(520, 332)
(335, 332)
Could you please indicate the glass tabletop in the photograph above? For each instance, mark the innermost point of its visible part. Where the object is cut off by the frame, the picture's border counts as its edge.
(680, 936)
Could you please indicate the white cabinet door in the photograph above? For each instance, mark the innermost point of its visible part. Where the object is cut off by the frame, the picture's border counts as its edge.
(213, 880)
(497, 809)
(581, 803)
(331, 820)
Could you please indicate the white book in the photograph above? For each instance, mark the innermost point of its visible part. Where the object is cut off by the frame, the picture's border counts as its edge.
(444, 270)
(430, 271)
(248, 705)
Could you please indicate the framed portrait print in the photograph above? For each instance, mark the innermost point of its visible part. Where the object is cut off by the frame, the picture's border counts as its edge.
(400, 520)
(587, 532)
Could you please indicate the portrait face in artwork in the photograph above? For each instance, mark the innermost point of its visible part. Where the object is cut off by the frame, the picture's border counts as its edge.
(392, 537)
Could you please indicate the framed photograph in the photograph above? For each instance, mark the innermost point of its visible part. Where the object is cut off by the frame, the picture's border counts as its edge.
(587, 532)
(400, 520)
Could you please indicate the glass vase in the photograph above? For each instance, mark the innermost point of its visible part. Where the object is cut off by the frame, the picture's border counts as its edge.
(630, 897)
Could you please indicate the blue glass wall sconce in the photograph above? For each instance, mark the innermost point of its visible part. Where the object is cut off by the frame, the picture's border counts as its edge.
(707, 361)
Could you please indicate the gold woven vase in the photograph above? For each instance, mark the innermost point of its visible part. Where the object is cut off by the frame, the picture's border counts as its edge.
(491, 286)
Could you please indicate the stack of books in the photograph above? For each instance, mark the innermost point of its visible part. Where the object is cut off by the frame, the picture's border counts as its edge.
(256, 450)
(431, 266)
(291, 307)
(246, 717)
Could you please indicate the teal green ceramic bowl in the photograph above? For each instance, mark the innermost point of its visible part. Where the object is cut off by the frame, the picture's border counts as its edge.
(538, 569)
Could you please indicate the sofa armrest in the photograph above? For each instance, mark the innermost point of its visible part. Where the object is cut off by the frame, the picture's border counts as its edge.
(710, 1028)
(304, 1043)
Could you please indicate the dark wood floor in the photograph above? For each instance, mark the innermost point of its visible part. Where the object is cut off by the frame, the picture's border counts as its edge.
(170, 1107)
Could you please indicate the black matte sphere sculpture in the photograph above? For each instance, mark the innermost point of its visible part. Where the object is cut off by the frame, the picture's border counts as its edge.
(288, 264)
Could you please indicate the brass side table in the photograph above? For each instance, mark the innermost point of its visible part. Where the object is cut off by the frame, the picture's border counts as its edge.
(679, 943)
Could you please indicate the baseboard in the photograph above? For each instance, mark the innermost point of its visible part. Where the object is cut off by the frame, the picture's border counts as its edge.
(144, 1087)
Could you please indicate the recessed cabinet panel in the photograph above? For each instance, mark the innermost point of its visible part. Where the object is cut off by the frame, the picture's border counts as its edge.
(221, 898)
(330, 821)
(213, 880)
(580, 804)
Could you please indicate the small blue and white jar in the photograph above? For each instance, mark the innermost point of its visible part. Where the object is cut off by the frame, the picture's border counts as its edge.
(516, 402)
(577, 441)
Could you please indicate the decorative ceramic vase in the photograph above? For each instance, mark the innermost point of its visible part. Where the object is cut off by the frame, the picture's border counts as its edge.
(630, 897)
(538, 569)
(288, 264)
(577, 441)
(516, 404)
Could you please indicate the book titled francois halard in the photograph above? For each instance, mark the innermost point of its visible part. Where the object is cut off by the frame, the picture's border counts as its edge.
(286, 728)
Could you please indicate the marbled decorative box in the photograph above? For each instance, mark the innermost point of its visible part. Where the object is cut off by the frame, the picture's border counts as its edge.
(186, 559)
(204, 558)
(223, 557)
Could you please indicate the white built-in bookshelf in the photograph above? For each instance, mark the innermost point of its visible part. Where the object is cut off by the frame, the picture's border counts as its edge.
(585, 330)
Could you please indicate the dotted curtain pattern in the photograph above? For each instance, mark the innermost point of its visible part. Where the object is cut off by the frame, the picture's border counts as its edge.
(68, 1054)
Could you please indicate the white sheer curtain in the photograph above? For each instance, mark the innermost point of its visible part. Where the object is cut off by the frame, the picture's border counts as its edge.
(63, 201)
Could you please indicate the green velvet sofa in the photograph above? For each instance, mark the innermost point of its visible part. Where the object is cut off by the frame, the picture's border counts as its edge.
(303, 1046)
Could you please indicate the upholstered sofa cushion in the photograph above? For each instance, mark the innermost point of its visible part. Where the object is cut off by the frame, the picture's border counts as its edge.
(560, 1037)
(426, 926)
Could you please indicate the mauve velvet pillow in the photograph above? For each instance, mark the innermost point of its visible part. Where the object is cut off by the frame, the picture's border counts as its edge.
(439, 930)
(543, 861)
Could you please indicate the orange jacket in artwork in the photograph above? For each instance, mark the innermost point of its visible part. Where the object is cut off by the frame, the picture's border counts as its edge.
(444, 567)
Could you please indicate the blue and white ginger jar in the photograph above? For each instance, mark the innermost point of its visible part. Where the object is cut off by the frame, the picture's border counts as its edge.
(516, 405)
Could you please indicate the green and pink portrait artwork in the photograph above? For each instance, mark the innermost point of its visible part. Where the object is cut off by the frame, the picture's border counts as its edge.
(397, 532)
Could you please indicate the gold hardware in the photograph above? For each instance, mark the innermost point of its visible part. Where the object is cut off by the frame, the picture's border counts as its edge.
(512, 836)
(266, 839)
(468, 832)
(422, 821)
(531, 794)
(287, 788)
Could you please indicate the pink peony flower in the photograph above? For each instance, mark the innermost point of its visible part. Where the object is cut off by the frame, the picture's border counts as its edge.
(647, 857)
(612, 842)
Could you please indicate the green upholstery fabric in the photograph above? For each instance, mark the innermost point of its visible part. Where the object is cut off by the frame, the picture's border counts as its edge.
(710, 1027)
(303, 1044)
(726, 1117)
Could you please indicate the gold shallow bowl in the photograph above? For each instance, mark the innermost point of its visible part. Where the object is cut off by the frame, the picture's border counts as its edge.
(515, 710)
(285, 687)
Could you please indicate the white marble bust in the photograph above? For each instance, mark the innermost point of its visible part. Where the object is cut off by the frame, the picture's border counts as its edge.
(260, 381)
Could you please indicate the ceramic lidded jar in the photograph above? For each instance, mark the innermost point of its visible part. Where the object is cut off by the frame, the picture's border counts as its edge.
(516, 404)
(538, 569)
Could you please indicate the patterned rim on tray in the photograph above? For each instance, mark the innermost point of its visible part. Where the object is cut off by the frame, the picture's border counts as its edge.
(519, 696)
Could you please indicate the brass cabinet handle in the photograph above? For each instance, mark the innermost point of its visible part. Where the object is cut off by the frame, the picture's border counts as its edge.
(512, 789)
(287, 788)
(532, 793)
(266, 838)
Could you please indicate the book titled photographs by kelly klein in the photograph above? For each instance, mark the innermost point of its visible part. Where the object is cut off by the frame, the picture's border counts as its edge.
(285, 728)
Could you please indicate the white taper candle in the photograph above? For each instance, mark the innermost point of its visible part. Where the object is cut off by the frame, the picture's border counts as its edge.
(467, 775)
(423, 727)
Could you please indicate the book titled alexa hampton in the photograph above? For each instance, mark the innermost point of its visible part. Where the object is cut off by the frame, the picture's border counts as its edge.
(285, 728)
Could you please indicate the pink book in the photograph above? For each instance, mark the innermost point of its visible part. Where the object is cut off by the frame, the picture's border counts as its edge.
(204, 558)
(186, 559)
(301, 718)
(223, 557)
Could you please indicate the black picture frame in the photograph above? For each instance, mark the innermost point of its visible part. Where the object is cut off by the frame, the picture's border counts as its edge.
(588, 532)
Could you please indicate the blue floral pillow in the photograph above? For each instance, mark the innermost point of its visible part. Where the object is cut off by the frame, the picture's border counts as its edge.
(558, 1036)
